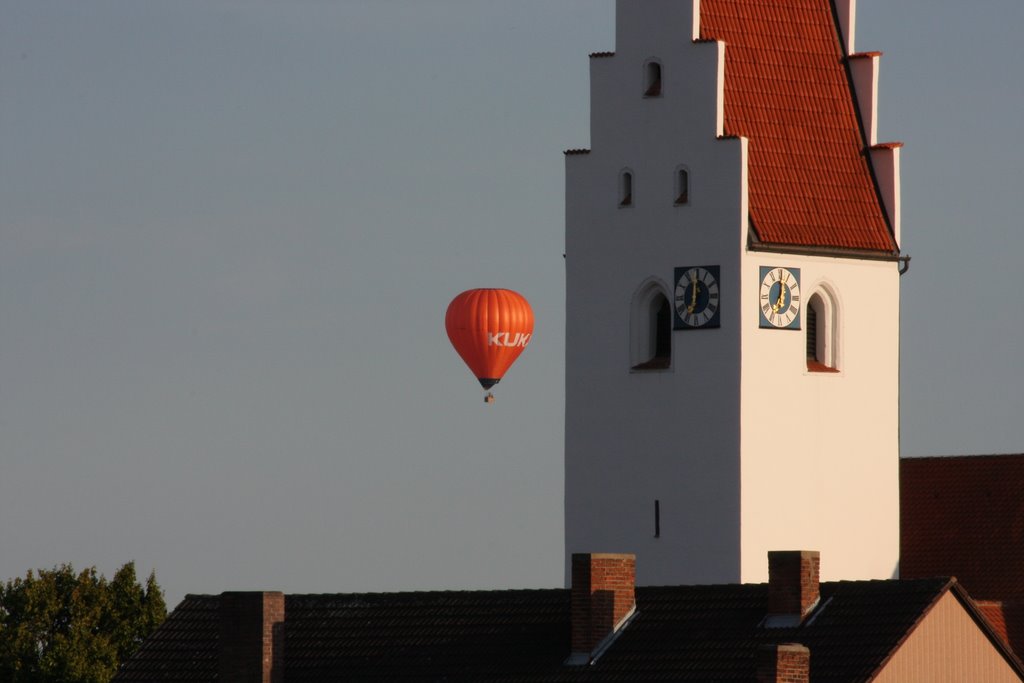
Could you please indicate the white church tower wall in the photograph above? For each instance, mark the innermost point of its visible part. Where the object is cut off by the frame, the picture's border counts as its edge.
(700, 449)
(820, 450)
(634, 437)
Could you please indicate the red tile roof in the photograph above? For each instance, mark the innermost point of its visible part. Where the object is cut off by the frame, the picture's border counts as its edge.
(993, 611)
(787, 90)
(1007, 620)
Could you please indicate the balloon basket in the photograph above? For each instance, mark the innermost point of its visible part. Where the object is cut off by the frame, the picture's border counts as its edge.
(489, 398)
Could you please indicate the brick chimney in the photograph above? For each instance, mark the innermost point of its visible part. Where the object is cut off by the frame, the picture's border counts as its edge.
(792, 586)
(783, 663)
(603, 599)
(251, 645)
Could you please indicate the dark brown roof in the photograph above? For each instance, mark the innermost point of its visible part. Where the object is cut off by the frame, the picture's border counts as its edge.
(788, 91)
(681, 633)
(964, 516)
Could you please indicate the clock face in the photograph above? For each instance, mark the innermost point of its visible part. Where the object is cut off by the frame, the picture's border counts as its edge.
(696, 298)
(779, 302)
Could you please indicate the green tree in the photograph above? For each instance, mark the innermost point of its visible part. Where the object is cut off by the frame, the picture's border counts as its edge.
(61, 626)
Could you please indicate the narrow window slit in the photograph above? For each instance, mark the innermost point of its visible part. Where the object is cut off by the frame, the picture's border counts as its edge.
(812, 334)
(657, 518)
(663, 331)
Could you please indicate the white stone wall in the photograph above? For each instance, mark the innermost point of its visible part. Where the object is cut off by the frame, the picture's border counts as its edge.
(820, 451)
(636, 437)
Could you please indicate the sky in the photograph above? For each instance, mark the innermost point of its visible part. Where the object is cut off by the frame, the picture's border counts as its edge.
(229, 231)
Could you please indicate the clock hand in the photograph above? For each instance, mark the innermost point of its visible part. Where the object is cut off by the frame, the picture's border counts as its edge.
(693, 296)
(782, 297)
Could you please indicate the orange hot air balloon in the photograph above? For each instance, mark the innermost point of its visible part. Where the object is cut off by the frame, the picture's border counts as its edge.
(489, 328)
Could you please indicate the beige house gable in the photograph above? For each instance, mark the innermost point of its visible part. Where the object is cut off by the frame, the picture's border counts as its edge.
(947, 646)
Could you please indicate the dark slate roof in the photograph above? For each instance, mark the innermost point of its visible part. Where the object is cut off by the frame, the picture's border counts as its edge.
(680, 633)
(183, 648)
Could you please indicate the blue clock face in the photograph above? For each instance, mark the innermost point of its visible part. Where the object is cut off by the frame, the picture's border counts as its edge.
(696, 297)
(779, 298)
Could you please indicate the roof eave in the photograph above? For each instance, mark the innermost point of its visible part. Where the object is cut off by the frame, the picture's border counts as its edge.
(754, 243)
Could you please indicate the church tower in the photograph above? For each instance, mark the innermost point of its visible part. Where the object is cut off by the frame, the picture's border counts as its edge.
(732, 275)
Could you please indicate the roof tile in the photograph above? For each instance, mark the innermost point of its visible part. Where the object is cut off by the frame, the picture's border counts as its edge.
(679, 633)
(788, 92)
(964, 516)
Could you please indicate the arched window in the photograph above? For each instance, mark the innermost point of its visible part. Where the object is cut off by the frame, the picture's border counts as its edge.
(821, 330)
(651, 320)
(626, 188)
(682, 186)
(652, 79)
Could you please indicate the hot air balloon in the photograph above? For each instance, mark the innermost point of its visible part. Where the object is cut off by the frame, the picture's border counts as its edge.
(489, 328)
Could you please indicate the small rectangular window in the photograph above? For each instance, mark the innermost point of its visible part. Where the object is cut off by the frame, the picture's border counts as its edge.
(653, 80)
(682, 186)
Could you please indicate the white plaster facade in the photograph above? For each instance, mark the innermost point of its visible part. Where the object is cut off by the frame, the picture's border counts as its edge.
(744, 449)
